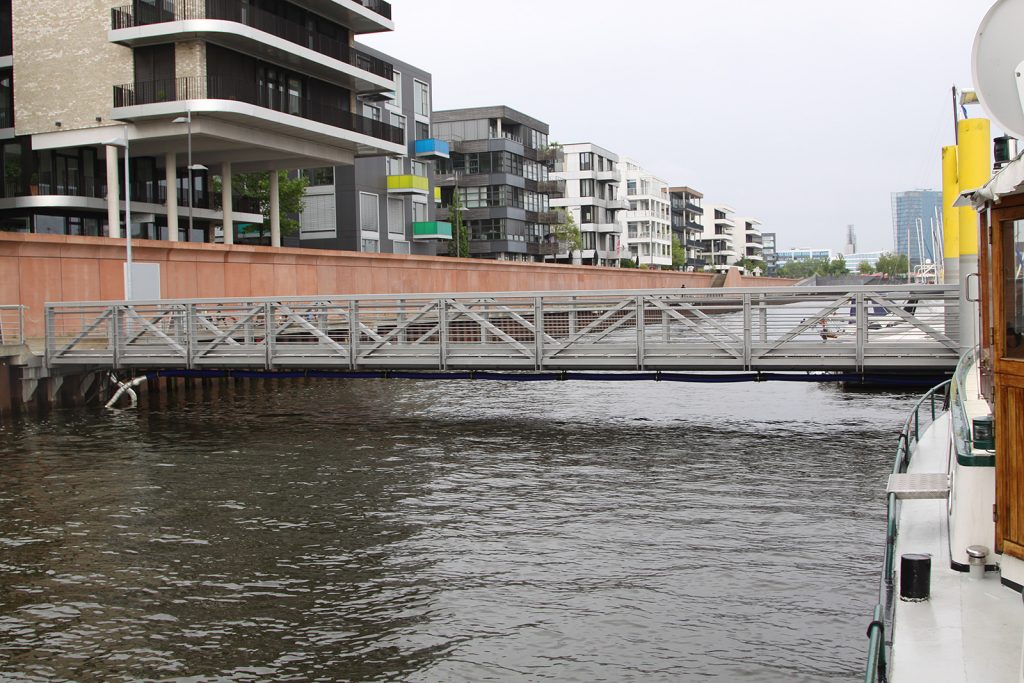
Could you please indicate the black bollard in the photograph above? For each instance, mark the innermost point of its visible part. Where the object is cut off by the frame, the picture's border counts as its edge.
(915, 577)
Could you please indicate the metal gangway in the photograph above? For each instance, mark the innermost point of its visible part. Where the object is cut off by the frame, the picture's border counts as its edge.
(848, 329)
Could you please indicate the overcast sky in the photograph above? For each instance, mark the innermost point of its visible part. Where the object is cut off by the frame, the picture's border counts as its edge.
(805, 114)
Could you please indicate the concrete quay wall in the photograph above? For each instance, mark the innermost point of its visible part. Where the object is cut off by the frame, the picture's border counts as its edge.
(35, 269)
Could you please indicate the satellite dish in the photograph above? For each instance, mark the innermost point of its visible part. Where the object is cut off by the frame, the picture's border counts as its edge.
(997, 64)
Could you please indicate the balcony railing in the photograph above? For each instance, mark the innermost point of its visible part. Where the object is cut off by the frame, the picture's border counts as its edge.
(261, 20)
(217, 88)
(7, 117)
(379, 6)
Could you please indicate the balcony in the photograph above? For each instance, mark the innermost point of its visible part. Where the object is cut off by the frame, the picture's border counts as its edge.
(551, 153)
(432, 230)
(137, 25)
(695, 208)
(551, 187)
(250, 105)
(408, 184)
(432, 148)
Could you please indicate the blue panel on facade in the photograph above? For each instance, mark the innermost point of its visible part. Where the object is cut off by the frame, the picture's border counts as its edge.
(432, 147)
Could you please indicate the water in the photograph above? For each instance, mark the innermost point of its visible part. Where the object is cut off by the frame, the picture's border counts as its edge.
(448, 531)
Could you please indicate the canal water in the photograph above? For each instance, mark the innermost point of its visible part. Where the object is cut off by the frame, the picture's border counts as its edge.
(377, 530)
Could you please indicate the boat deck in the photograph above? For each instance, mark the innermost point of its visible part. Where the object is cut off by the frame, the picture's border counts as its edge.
(969, 630)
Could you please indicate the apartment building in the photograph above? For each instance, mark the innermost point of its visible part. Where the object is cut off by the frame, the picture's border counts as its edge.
(164, 102)
(648, 232)
(723, 240)
(383, 204)
(749, 229)
(771, 260)
(585, 183)
(687, 224)
(498, 178)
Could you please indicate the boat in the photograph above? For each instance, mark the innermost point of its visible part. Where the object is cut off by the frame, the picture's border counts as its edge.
(950, 593)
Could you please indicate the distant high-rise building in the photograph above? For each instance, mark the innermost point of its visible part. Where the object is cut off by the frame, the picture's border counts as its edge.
(915, 219)
(851, 241)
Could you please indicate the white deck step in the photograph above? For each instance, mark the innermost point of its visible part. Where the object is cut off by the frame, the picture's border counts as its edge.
(919, 486)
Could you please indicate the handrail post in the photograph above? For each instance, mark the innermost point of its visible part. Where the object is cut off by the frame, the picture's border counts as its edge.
(268, 335)
(538, 333)
(861, 325)
(641, 350)
(190, 335)
(442, 331)
(353, 334)
(748, 332)
(22, 339)
(115, 335)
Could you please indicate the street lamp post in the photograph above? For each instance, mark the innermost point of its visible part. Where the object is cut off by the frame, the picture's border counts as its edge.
(187, 119)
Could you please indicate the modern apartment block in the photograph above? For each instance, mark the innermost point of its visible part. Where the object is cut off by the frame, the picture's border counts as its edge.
(586, 184)
(498, 176)
(648, 234)
(687, 224)
(753, 242)
(723, 239)
(915, 219)
(768, 246)
(383, 203)
(185, 90)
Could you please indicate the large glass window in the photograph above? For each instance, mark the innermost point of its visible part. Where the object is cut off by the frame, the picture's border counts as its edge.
(1013, 287)
(586, 161)
(422, 93)
(369, 215)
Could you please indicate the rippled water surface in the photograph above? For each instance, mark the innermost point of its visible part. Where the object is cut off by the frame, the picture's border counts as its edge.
(448, 531)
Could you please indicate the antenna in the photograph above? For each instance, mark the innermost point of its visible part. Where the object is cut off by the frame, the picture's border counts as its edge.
(997, 65)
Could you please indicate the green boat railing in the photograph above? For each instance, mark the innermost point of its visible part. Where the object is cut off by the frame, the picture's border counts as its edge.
(877, 664)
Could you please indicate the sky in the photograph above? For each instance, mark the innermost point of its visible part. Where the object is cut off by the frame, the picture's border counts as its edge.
(803, 114)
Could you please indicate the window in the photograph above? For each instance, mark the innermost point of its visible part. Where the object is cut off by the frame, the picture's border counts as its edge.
(1013, 287)
(396, 217)
(370, 246)
(398, 121)
(420, 168)
(586, 162)
(371, 112)
(317, 218)
(319, 176)
(419, 212)
(398, 89)
(400, 247)
(587, 187)
(369, 217)
(422, 93)
(587, 214)
(422, 131)
(395, 166)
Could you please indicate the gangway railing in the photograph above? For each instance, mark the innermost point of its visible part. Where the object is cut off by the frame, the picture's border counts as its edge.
(12, 325)
(895, 328)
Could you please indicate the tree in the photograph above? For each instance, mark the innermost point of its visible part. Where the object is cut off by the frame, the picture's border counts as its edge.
(459, 244)
(678, 253)
(256, 186)
(865, 268)
(800, 269)
(836, 266)
(892, 265)
(749, 264)
(567, 232)
(627, 263)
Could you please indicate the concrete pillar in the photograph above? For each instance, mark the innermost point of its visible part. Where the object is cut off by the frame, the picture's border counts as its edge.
(225, 195)
(950, 217)
(275, 209)
(171, 163)
(113, 194)
(974, 167)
